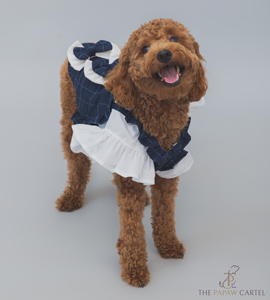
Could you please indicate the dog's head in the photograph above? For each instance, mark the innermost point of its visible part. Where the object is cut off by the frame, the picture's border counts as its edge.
(161, 59)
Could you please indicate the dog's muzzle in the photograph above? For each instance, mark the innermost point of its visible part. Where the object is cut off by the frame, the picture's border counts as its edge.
(170, 75)
(164, 56)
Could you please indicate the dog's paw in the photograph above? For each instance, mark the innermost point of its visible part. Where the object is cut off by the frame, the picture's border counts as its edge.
(173, 249)
(68, 204)
(137, 276)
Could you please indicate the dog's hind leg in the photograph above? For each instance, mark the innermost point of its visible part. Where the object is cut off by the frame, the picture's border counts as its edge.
(131, 244)
(163, 224)
(78, 164)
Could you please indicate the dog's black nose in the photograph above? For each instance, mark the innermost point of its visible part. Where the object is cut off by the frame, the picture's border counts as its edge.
(164, 56)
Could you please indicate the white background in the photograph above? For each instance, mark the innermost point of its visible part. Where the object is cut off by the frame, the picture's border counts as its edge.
(222, 209)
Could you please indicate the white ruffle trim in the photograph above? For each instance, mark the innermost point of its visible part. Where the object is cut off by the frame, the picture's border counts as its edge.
(183, 166)
(78, 64)
(116, 147)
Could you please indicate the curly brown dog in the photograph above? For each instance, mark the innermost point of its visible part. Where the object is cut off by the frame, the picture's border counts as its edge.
(162, 107)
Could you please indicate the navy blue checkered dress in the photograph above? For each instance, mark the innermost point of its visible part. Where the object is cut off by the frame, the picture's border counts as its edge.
(95, 104)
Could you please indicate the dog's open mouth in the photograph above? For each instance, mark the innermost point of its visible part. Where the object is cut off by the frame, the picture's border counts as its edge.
(170, 75)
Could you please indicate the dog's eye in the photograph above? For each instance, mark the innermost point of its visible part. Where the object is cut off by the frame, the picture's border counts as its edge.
(145, 49)
(174, 39)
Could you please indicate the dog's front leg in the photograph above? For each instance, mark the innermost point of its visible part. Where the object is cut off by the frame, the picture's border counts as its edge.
(163, 224)
(131, 244)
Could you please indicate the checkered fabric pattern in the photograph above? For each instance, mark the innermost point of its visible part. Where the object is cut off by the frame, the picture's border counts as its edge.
(93, 100)
(163, 160)
(95, 103)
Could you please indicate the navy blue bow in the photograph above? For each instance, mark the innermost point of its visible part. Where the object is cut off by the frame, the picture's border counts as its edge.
(101, 66)
(90, 49)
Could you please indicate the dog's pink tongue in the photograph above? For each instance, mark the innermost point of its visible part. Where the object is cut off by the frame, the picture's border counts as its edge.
(169, 74)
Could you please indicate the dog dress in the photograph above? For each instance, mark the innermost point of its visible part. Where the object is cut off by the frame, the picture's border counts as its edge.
(109, 134)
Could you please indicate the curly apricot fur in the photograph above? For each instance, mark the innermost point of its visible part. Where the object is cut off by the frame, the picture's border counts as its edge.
(163, 111)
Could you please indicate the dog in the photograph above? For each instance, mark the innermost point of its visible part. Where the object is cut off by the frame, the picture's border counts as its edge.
(148, 93)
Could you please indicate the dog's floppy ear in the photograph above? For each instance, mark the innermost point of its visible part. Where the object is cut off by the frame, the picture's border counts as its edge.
(119, 82)
(200, 85)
